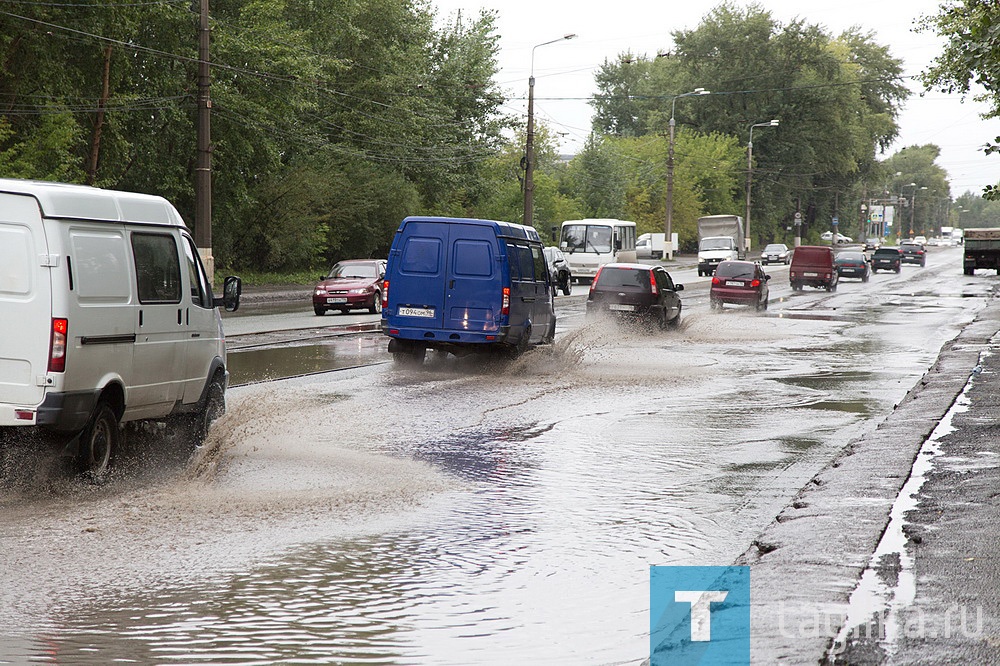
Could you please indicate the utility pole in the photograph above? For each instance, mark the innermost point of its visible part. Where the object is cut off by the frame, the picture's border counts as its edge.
(203, 167)
(529, 145)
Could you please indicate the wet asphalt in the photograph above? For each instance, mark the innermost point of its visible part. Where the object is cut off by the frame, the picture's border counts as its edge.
(806, 565)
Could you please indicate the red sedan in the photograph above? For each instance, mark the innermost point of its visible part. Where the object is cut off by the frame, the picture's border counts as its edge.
(355, 284)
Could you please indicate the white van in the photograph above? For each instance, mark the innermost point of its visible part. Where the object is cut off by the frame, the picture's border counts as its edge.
(106, 316)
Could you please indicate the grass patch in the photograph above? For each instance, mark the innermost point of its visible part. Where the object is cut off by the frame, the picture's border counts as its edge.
(258, 279)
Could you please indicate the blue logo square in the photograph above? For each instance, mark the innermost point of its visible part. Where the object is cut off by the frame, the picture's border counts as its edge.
(699, 615)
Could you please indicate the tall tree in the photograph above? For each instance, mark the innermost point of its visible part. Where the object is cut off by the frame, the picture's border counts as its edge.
(971, 54)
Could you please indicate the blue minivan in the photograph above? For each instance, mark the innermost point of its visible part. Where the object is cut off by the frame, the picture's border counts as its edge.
(464, 286)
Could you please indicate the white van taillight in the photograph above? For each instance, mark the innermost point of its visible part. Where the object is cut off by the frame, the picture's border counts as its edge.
(652, 283)
(57, 345)
(505, 305)
(385, 293)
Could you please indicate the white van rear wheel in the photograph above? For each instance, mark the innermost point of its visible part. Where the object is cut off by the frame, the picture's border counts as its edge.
(98, 443)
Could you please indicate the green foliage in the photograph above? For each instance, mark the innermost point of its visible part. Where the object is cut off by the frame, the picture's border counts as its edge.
(330, 121)
(971, 54)
(837, 98)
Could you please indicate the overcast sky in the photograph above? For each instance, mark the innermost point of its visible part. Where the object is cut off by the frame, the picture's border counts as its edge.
(564, 71)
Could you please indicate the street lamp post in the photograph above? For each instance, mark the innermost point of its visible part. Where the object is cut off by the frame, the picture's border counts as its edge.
(899, 228)
(913, 204)
(770, 123)
(668, 223)
(529, 147)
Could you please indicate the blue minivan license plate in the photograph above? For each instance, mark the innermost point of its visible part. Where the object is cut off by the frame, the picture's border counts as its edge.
(415, 312)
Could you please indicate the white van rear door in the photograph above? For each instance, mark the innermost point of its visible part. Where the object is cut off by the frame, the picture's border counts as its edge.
(25, 304)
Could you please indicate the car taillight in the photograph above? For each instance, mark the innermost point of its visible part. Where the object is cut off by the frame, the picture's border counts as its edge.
(755, 283)
(597, 276)
(57, 345)
(385, 293)
(716, 281)
(652, 283)
(505, 305)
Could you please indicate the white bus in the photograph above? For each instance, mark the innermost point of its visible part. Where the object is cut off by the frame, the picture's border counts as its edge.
(593, 242)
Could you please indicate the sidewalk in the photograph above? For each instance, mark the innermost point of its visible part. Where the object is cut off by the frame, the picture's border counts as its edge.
(808, 562)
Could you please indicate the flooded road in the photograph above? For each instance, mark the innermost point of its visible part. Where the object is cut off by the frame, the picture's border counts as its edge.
(468, 513)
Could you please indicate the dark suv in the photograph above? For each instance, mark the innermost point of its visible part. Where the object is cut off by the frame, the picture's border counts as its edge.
(913, 253)
(635, 291)
(886, 258)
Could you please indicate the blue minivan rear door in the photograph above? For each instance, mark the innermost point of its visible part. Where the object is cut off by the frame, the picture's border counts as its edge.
(451, 276)
(419, 296)
(474, 289)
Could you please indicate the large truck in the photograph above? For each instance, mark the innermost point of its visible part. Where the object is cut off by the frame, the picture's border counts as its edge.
(720, 238)
(982, 250)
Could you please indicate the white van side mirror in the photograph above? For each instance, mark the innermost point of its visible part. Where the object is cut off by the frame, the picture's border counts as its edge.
(231, 290)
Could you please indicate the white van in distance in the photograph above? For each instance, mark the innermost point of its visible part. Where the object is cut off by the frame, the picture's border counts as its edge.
(106, 316)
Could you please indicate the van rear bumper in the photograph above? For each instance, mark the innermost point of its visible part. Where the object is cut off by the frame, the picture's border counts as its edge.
(445, 338)
(67, 411)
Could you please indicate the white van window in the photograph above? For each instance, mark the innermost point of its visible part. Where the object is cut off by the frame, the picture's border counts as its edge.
(100, 265)
(201, 294)
(157, 268)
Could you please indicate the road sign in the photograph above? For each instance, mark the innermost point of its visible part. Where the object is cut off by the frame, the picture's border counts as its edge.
(836, 221)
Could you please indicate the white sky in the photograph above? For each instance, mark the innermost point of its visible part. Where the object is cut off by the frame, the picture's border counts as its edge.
(564, 71)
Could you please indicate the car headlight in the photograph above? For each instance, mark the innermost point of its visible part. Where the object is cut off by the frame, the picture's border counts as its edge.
(320, 292)
(364, 290)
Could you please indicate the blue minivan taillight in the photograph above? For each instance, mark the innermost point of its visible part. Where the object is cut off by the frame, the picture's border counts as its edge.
(505, 305)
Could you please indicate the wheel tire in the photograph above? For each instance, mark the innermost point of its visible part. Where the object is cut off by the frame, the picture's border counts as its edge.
(412, 356)
(715, 304)
(676, 321)
(899, 268)
(970, 271)
(320, 311)
(522, 344)
(864, 278)
(98, 443)
(567, 286)
(376, 306)
(761, 304)
(214, 407)
(550, 335)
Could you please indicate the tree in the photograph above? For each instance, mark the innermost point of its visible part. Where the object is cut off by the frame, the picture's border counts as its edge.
(837, 99)
(971, 53)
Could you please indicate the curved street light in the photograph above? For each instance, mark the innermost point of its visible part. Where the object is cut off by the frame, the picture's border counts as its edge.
(770, 123)
(668, 223)
(529, 147)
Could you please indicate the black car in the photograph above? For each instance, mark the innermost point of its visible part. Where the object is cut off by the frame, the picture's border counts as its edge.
(887, 258)
(635, 292)
(852, 264)
(913, 253)
(559, 269)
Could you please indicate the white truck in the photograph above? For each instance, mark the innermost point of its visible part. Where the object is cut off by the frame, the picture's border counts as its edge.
(720, 238)
(651, 246)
